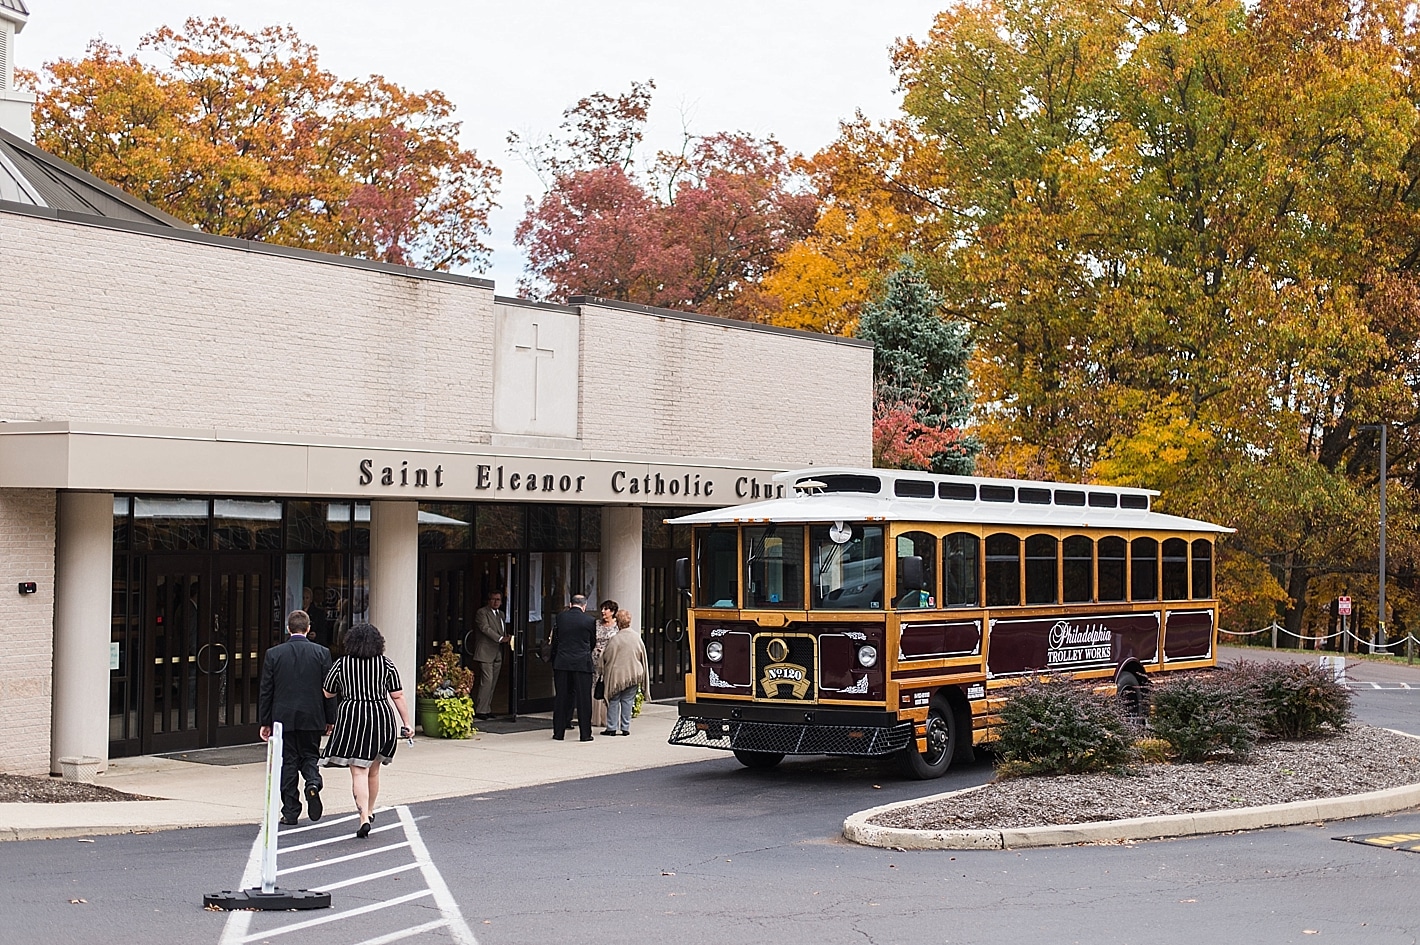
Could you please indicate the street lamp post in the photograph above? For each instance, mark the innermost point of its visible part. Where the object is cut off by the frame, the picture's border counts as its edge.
(1379, 640)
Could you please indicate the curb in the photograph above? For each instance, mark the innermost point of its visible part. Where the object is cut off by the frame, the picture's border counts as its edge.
(857, 828)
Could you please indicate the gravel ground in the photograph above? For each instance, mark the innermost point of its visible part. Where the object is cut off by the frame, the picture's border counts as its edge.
(1358, 760)
(19, 788)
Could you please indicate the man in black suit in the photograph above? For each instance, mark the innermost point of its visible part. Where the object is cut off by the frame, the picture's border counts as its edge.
(291, 681)
(572, 644)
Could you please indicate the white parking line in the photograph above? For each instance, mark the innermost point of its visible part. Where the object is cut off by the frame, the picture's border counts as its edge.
(238, 928)
(343, 859)
(338, 916)
(327, 887)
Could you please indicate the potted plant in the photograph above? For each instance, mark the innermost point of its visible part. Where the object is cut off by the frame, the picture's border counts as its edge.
(444, 707)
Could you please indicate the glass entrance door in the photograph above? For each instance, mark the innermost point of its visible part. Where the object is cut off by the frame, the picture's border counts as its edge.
(663, 627)
(207, 624)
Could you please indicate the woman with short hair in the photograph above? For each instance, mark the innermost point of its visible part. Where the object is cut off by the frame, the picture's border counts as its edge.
(625, 669)
(366, 731)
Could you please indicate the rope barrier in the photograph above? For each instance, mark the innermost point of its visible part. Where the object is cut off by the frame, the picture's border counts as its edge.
(1276, 629)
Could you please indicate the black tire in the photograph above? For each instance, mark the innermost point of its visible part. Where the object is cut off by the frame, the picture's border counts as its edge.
(941, 744)
(1133, 696)
(758, 759)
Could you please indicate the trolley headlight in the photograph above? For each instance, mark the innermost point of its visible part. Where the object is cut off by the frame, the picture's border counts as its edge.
(714, 651)
(867, 656)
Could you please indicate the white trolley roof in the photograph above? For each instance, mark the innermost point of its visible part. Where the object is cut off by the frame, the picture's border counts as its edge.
(847, 494)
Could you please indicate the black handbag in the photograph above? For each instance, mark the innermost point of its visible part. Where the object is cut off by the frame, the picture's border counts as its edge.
(599, 690)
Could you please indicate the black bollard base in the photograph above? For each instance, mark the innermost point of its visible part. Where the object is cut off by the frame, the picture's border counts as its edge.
(277, 900)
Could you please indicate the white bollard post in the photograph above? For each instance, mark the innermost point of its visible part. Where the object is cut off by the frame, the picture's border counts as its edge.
(274, 756)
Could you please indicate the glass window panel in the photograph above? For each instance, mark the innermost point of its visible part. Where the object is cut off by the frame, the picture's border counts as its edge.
(1134, 502)
(246, 524)
(169, 524)
(998, 493)
(1040, 569)
(1077, 568)
(552, 527)
(318, 526)
(445, 526)
(1175, 569)
(961, 557)
(847, 575)
(774, 566)
(500, 528)
(122, 522)
(914, 489)
(1103, 500)
(1003, 570)
(963, 491)
(1113, 554)
(1031, 496)
(591, 527)
(1202, 569)
(360, 529)
(1144, 569)
(717, 563)
(1069, 497)
(924, 546)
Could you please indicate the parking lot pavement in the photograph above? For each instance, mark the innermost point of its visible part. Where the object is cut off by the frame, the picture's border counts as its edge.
(384, 888)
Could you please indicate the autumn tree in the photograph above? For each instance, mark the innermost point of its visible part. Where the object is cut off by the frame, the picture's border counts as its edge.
(1188, 241)
(243, 134)
(696, 229)
(921, 398)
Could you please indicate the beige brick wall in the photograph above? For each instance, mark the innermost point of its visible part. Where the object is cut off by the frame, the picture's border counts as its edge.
(115, 327)
(659, 384)
(27, 622)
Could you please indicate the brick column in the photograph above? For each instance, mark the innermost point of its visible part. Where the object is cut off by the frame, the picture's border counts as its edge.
(83, 605)
(394, 584)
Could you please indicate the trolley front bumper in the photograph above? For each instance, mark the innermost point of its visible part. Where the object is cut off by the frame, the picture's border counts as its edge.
(790, 731)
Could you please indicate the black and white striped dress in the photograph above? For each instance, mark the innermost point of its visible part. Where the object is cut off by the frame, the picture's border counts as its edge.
(366, 725)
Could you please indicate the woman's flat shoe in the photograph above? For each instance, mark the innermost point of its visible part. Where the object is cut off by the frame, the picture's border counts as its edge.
(609, 731)
(364, 830)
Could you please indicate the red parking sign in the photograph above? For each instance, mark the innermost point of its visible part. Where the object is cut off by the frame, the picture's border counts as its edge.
(1343, 606)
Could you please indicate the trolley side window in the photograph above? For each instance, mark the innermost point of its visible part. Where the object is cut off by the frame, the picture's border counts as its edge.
(1003, 570)
(1202, 569)
(847, 567)
(774, 566)
(1077, 568)
(1040, 569)
(924, 546)
(1113, 552)
(1144, 569)
(961, 565)
(1175, 569)
(717, 565)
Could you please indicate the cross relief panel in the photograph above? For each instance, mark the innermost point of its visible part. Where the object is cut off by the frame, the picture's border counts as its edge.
(535, 372)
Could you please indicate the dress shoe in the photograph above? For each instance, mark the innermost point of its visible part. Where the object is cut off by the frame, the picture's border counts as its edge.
(557, 738)
(609, 731)
(623, 732)
(289, 821)
(585, 738)
(313, 804)
(364, 830)
(481, 717)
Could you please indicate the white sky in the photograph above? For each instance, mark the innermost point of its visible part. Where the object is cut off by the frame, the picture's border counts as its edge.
(787, 68)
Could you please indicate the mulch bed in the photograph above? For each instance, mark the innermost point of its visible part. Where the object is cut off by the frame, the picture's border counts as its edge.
(20, 788)
(1355, 761)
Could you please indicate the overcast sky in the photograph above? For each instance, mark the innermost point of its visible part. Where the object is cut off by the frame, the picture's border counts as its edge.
(787, 68)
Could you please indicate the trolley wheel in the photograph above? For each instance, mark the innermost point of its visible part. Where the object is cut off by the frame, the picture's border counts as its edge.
(941, 744)
(1133, 697)
(758, 759)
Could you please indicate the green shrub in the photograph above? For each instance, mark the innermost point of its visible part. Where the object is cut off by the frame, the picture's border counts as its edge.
(1294, 700)
(1152, 750)
(1204, 715)
(1061, 727)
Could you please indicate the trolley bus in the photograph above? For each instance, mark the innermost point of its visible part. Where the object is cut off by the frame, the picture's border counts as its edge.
(877, 612)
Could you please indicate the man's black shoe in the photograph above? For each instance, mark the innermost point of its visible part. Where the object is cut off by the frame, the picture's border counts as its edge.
(289, 821)
(585, 738)
(313, 804)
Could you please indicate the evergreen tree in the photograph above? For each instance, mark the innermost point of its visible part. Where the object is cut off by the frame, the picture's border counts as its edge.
(920, 377)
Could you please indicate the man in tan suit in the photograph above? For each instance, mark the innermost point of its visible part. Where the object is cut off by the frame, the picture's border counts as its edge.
(489, 635)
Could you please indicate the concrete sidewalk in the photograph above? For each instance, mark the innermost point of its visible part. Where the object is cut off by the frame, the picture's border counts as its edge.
(206, 795)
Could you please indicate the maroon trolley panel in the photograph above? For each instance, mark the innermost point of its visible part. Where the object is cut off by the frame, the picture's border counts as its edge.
(1188, 634)
(939, 639)
(1069, 644)
(731, 675)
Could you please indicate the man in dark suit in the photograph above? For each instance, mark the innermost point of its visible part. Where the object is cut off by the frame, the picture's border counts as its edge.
(572, 643)
(291, 680)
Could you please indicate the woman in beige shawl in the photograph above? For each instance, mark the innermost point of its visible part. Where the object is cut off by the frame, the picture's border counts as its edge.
(624, 666)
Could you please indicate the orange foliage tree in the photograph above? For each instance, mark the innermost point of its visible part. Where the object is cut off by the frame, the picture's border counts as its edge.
(243, 134)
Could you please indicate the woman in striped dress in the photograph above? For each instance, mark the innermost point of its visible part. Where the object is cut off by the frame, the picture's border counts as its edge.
(366, 731)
